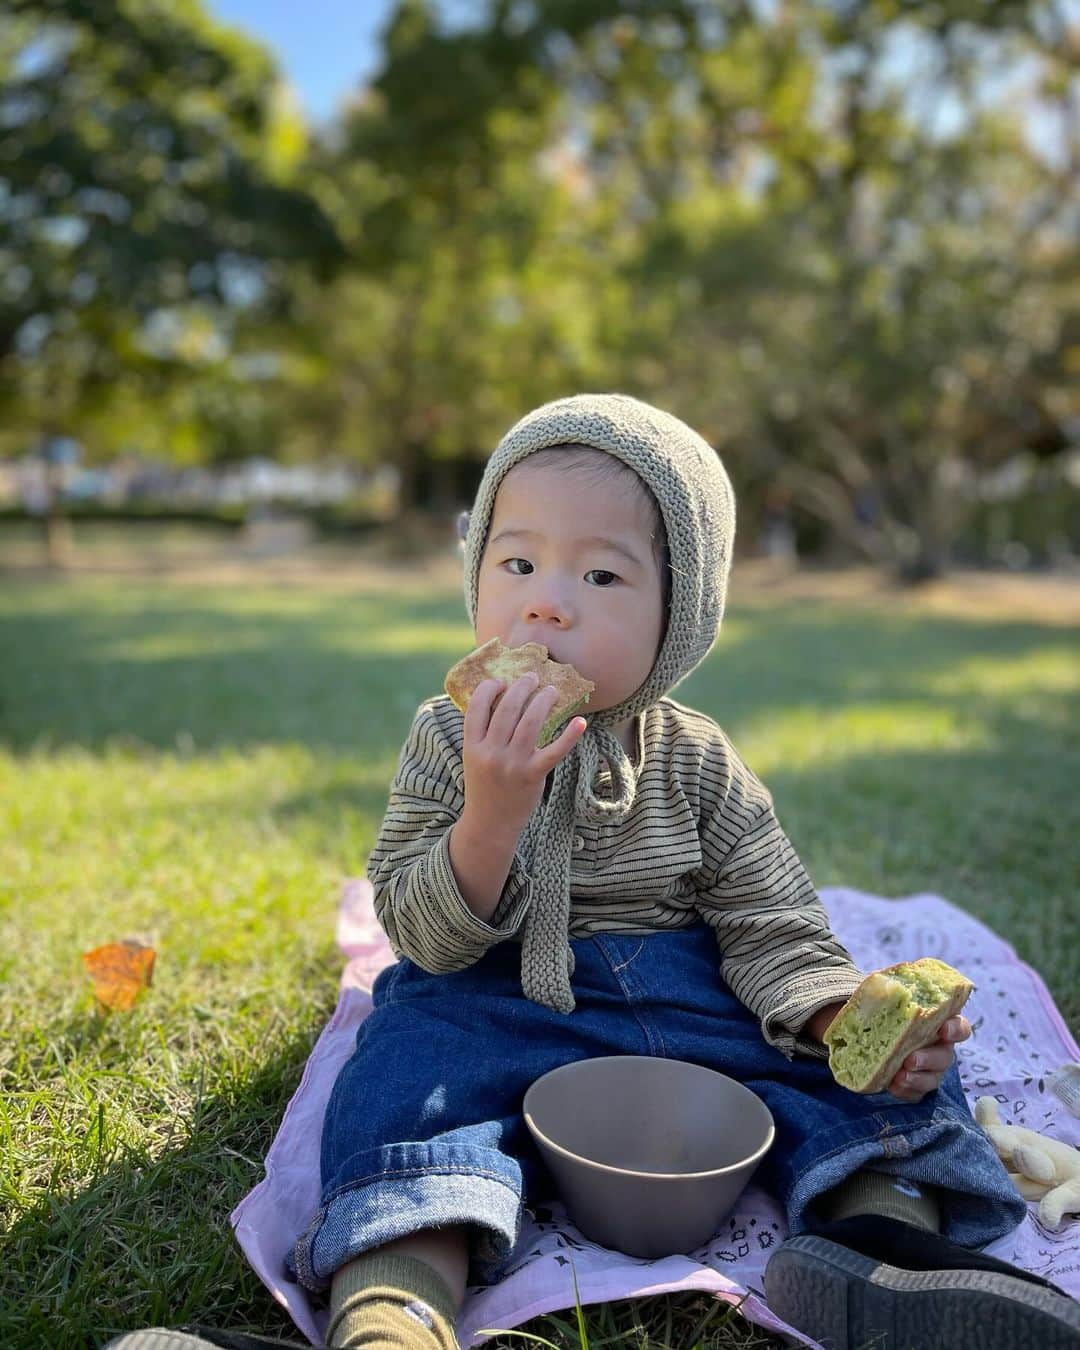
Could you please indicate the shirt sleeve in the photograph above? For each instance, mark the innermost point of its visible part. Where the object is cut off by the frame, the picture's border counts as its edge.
(778, 953)
(417, 898)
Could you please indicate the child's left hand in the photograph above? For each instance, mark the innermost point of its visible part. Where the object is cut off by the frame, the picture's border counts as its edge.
(924, 1069)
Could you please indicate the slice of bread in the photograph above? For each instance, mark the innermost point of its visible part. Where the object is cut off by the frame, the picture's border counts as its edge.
(893, 1011)
(494, 661)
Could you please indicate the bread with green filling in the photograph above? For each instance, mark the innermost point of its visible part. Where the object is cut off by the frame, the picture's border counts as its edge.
(492, 660)
(893, 1012)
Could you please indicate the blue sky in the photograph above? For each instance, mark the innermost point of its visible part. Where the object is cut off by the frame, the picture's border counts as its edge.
(327, 48)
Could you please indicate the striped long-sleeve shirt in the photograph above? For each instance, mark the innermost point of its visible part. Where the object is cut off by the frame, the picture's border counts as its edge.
(701, 842)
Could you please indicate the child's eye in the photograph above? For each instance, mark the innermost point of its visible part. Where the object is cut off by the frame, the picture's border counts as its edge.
(608, 577)
(524, 562)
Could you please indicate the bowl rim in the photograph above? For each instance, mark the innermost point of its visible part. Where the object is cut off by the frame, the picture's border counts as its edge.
(752, 1158)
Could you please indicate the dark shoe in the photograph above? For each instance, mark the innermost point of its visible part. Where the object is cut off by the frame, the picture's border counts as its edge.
(878, 1282)
(198, 1338)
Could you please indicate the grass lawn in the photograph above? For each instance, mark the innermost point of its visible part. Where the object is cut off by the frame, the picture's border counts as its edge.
(201, 761)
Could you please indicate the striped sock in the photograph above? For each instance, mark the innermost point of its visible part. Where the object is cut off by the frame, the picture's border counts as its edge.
(383, 1301)
(877, 1193)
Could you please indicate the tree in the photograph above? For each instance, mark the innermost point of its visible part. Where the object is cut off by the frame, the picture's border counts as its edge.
(464, 299)
(819, 232)
(148, 167)
(942, 238)
(755, 225)
(846, 295)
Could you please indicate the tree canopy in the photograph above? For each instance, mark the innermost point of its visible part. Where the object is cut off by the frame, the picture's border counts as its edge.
(837, 238)
(149, 180)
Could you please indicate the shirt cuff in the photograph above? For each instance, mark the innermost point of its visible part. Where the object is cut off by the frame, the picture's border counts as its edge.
(782, 1026)
(464, 928)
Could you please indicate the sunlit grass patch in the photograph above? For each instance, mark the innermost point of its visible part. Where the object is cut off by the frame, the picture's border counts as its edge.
(800, 738)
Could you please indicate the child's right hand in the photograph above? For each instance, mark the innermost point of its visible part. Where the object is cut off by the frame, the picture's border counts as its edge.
(504, 769)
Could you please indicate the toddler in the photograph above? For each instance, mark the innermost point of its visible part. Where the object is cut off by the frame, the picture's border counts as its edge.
(626, 889)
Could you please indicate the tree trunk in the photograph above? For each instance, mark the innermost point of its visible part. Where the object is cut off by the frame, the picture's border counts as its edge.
(928, 564)
(56, 524)
(408, 460)
(936, 511)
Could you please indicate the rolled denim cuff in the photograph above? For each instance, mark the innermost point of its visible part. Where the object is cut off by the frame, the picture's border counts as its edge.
(945, 1150)
(406, 1187)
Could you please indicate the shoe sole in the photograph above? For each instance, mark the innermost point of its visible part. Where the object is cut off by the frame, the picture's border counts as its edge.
(849, 1302)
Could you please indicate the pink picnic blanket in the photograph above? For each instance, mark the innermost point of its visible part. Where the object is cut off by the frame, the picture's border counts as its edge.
(1019, 1040)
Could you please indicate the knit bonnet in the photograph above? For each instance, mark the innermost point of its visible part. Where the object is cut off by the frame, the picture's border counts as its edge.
(694, 495)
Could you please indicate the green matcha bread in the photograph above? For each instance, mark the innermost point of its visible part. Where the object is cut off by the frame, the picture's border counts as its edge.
(492, 660)
(893, 1012)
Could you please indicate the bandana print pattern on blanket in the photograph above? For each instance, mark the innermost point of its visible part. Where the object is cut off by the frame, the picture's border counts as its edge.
(1019, 1040)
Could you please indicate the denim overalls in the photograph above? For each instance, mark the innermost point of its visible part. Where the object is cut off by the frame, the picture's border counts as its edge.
(424, 1127)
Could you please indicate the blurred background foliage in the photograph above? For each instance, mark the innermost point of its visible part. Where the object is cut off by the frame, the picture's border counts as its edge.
(836, 237)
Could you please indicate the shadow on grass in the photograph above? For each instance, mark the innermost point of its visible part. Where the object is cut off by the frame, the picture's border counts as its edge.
(91, 665)
(823, 657)
(147, 1240)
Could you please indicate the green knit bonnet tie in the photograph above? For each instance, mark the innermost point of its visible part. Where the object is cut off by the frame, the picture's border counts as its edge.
(694, 495)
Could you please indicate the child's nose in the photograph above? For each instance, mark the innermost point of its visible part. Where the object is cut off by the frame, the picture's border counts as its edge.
(548, 606)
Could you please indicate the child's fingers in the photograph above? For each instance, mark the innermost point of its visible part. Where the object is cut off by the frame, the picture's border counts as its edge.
(561, 746)
(505, 718)
(955, 1029)
(932, 1060)
(533, 718)
(924, 1069)
(912, 1087)
(478, 709)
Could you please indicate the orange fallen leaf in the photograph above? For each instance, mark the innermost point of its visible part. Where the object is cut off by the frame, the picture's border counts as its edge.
(120, 972)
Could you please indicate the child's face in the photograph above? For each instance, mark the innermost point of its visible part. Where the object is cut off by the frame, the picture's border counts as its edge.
(545, 577)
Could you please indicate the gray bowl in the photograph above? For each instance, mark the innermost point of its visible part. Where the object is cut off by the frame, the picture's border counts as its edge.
(648, 1154)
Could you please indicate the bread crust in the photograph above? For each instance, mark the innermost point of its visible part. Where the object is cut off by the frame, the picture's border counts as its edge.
(492, 660)
(920, 1030)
